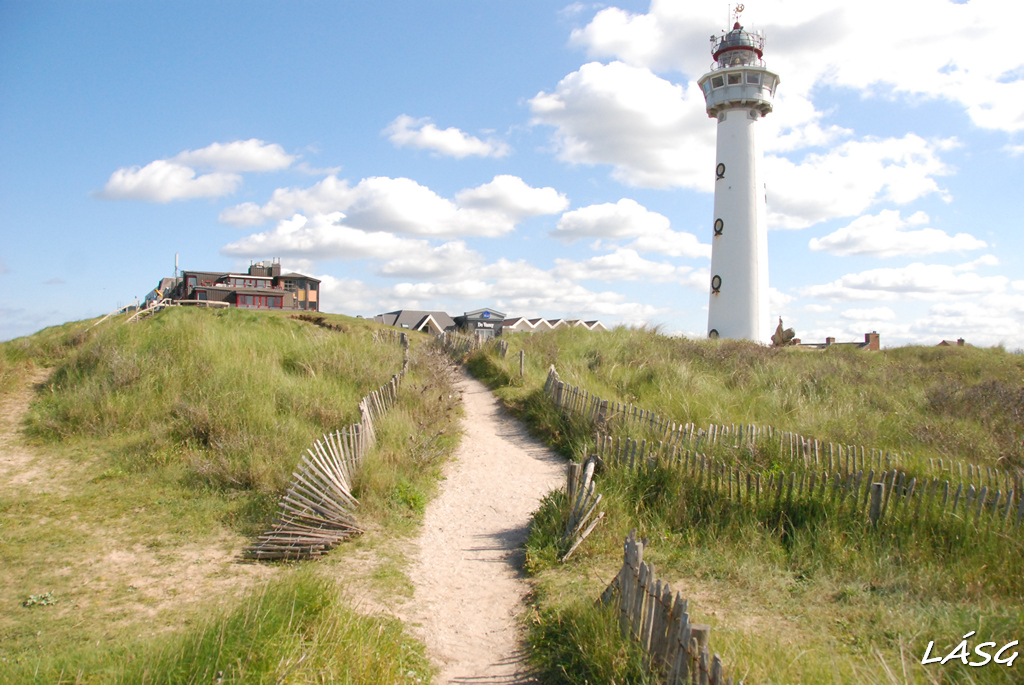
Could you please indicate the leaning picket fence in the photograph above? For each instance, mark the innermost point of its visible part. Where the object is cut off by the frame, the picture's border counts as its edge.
(675, 648)
(815, 455)
(318, 509)
(878, 496)
(580, 488)
(458, 345)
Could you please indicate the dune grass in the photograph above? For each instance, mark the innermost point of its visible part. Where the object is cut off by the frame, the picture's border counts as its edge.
(794, 593)
(963, 403)
(161, 448)
(294, 629)
(226, 392)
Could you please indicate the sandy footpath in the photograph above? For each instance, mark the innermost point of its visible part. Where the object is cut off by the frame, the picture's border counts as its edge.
(469, 589)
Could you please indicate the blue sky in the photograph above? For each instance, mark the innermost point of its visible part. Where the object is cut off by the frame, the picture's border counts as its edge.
(541, 158)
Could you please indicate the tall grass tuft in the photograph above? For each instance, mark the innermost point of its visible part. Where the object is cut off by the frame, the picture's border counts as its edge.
(579, 643)
(295, 628)
(232, 395)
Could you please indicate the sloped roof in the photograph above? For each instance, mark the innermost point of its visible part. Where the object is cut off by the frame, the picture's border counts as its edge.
(495, 312)
(414, 318)
(291, 275)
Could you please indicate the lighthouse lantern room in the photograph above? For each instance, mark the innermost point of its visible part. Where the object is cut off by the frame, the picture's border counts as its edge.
(738, 92)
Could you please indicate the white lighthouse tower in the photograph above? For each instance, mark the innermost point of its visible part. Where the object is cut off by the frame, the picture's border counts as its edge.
(738, 91)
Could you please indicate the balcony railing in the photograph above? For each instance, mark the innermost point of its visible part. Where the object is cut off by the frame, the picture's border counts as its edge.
(749, 63)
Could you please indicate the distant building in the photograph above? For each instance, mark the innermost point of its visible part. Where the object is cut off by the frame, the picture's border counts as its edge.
(871, 342)
(488, 323)
(523, 325)
(950, 343)
(416, 320)
(485, 323)
(519, 324)
(263, 287)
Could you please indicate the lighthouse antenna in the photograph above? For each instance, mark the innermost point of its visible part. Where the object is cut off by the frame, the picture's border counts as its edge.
(736, 12)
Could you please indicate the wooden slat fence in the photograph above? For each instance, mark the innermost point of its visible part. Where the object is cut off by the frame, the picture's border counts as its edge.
(814, 454)
(386, 336)
(318, 510)
(677, 650)
(580, 489)
(854, 480)
(458, 345)
(874, 494)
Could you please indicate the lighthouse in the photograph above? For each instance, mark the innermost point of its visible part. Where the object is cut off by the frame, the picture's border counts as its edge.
(738, 92)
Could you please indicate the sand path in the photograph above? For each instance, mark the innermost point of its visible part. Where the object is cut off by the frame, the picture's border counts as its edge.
(469, 588)
(19, 465)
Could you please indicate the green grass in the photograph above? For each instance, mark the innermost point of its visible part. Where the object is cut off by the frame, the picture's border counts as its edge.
(962, 403)
(794, 592)
(292, 629)
(232, 394)
(156, 451)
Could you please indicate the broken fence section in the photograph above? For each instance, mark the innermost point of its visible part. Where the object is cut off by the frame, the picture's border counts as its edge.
(318, 509)
(580, 489)
(458, 345)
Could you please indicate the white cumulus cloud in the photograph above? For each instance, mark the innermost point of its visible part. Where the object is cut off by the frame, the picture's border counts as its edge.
(240, 155)
(871, 314)
(512, 196)
(323, 237)
(163, 181)
(915, 281)
(401, 205)
(656, 134)
(406, 131)
(849, 178)
(653, 132)
(519, 288)
(436, 262)
(621, 265)
(885, 235)
(964, 53)
(628, 219)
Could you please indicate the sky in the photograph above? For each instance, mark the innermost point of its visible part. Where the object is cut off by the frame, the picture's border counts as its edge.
(544, 159)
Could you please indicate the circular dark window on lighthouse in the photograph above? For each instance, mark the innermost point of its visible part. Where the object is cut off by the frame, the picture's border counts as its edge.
(716, 284)
(713, 334)
(719, 225)
(720, 171)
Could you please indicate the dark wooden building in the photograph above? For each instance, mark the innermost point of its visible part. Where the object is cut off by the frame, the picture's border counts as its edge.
(263, 287)
(486, 323)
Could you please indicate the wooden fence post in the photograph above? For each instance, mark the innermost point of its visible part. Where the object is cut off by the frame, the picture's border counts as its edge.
(877, 494)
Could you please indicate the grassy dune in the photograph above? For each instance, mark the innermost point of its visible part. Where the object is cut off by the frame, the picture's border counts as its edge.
(151, 456)
(794, 593)
(223, 393)
(960, 402)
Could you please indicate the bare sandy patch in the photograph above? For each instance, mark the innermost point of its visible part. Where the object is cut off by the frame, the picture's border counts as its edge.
(126, 581)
